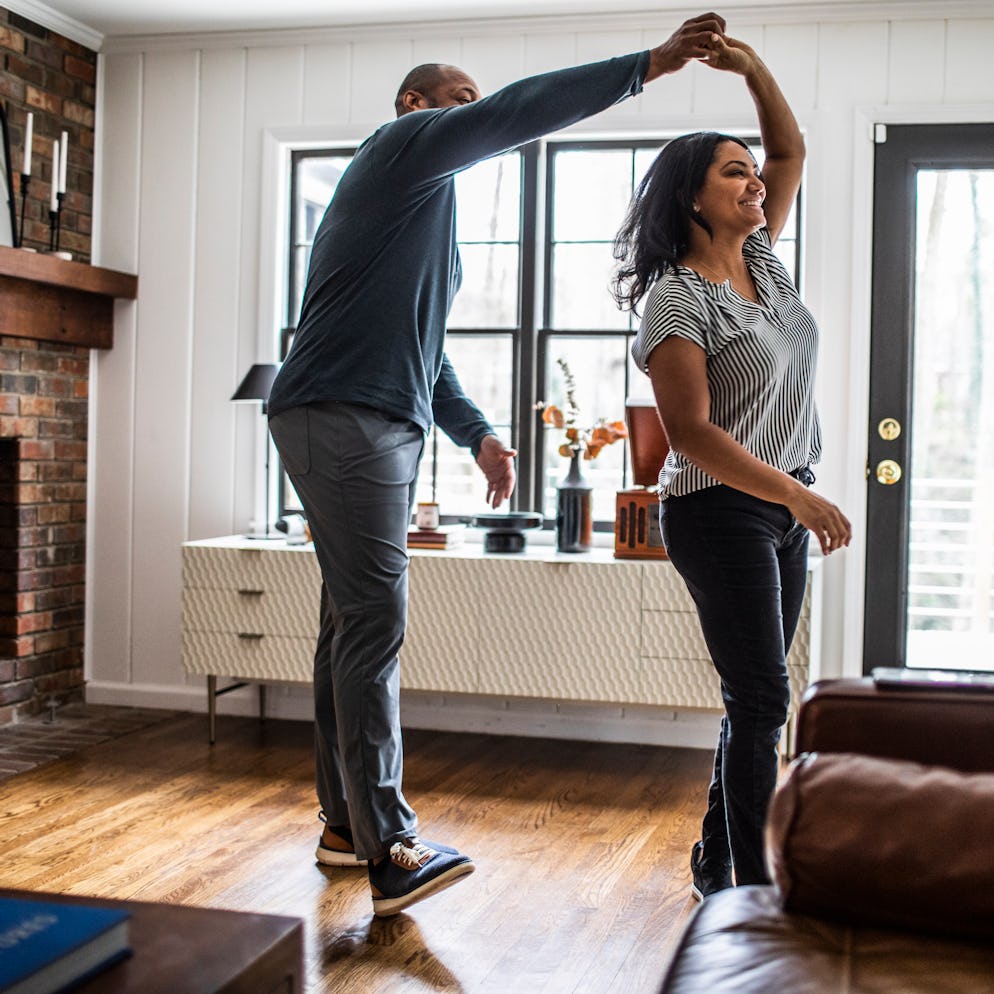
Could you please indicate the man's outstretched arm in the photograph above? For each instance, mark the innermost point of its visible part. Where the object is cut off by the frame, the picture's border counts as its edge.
(431, 144)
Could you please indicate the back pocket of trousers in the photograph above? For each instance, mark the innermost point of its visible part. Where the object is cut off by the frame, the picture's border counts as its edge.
(291, 433)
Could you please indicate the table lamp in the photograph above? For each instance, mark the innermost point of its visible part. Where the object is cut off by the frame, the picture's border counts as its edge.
(255, 387)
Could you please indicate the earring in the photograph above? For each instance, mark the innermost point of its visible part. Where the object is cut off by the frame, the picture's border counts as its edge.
(697, 209)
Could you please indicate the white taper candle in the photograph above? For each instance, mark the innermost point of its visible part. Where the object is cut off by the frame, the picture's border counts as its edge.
(63, 161)
(55, 176)
(29, 131)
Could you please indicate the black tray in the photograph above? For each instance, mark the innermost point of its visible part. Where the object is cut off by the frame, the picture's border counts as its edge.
(512, 521)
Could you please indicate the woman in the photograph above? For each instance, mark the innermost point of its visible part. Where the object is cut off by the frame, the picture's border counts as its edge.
(730, 350)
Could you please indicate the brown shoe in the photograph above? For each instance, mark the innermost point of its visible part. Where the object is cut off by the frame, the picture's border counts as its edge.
(335, 847)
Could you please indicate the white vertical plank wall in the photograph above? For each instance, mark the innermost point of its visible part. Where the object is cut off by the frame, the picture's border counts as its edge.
(110, 477)
(327, 83)
(493, 60)
(550, 52)
(830, 229)
(218, 248)
(163, 348)
(720, 96)
(919, 76)
(967, 56)
(182, 199)
(377, 69)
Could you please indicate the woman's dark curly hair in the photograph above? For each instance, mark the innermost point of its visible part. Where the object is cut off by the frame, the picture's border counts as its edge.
(656, 232)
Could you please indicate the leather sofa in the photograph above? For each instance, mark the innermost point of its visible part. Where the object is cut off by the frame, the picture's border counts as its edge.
(880, 843)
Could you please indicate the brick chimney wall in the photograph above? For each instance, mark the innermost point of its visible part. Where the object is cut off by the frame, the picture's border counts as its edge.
(55, 79)
(44, 389)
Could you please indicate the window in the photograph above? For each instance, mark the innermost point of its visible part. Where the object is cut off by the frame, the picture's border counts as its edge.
(314, 176)
(536, 229)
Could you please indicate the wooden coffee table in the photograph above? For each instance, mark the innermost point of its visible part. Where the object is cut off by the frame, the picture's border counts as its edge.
(182, 950)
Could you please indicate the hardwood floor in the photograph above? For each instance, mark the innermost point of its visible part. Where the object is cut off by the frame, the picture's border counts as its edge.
(581, 850)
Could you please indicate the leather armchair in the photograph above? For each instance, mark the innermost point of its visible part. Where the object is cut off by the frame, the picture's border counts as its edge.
(880, 842)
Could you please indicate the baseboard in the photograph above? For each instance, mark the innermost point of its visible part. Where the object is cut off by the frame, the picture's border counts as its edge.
(530, 717)
(560, 720)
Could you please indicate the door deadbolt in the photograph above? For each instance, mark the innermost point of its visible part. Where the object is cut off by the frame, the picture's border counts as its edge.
(888, 472)
(889, 429)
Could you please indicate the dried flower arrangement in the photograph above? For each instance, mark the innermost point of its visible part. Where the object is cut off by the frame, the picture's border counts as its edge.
(590, 440)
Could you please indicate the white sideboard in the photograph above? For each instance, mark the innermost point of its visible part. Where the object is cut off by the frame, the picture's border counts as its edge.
(539, 624)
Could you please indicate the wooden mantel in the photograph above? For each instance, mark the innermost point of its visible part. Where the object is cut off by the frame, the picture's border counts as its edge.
(53, 300)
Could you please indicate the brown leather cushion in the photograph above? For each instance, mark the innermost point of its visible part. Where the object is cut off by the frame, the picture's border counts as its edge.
(885, 842)
(741, 940)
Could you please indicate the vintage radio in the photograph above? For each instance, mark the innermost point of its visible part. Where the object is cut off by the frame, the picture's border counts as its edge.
(636, 520)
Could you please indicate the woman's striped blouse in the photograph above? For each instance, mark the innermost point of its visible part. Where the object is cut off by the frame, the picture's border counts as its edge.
(760, 361)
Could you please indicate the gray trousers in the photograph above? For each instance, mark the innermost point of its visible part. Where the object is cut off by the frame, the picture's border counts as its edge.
(354, 469)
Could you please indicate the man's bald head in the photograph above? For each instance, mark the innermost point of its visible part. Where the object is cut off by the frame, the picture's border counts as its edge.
(434, 84)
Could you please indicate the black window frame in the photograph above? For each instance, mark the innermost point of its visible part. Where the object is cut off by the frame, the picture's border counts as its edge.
(530, 339)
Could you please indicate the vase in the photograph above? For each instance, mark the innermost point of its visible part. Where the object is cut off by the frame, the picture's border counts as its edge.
(574, 513)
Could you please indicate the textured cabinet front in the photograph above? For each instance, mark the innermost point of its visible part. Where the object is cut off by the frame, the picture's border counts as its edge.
(262, 569)
(566, 630)
(681, 665)
(556, 628)
(444, 625)
(253, 657)
(250, 613)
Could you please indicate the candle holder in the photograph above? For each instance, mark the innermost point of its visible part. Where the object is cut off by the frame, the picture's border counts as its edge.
(53, 220)
(25, 183)
(59, 197)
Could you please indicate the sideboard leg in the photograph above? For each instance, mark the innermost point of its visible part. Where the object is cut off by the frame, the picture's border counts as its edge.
(211, 707)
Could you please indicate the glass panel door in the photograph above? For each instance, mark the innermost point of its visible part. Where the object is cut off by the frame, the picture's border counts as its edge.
(950, 561)
(930, 472)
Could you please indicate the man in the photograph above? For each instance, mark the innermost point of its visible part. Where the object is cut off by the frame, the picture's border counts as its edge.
(364, 381)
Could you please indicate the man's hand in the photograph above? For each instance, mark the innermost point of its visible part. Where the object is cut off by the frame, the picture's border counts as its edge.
(497, 464)
(692, 40)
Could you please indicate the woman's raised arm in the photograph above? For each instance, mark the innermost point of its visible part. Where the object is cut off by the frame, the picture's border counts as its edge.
(783, 143)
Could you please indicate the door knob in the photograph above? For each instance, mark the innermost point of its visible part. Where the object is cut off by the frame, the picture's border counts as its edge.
(889, 429)
(888, 472)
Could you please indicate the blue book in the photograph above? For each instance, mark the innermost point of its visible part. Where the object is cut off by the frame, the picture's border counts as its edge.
(47, 947)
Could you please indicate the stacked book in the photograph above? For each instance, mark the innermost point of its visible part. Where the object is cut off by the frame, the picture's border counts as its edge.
(442, 537)
(47, 946)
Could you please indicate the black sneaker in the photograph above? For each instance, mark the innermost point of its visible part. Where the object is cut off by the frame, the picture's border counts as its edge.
(340, 851)
(412, 872)
(706, 879)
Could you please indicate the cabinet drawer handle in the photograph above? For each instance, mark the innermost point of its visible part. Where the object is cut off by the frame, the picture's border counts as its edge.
(251, 636)
(250, 593)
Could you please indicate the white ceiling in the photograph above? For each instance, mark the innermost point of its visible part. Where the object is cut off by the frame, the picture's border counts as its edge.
(129, 17)
(92, 21)
(112, 18)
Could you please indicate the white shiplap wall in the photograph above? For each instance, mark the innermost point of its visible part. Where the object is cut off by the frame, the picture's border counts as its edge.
(189, 195)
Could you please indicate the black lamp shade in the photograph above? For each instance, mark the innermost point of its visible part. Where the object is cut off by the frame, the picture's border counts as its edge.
(257, 383)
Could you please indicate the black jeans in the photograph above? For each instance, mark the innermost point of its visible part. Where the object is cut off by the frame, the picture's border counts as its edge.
(744, 561)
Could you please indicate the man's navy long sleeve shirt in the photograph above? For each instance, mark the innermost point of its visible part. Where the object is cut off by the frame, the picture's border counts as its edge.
(384, 265)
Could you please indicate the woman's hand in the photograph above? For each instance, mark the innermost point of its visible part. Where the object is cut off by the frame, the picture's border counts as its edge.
(820, 516)
(690, 41)
(730, 55)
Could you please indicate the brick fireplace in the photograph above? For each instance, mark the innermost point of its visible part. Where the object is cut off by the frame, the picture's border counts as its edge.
(43, 418)
(51, 314)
